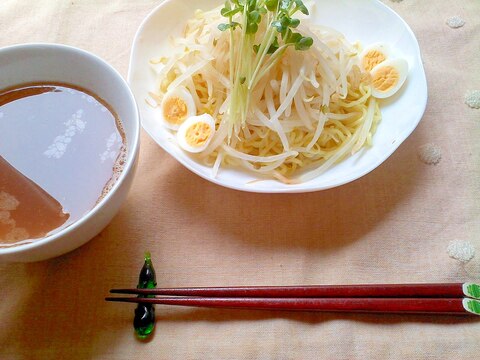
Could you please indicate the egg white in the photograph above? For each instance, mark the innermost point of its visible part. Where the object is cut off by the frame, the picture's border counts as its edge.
(182, 132)
(184, 95)
(380, 47)
(401, 66)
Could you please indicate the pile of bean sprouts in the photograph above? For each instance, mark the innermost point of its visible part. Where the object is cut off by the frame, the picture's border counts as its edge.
(312, 110)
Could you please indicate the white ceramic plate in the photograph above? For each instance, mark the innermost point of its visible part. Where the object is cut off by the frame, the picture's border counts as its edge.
(367, 21)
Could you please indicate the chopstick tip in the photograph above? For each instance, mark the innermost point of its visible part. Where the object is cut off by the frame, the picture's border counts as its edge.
(113, 299)
(120, 291)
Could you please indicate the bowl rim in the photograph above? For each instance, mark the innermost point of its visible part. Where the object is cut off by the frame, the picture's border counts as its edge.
(131, 156)
(297, 188)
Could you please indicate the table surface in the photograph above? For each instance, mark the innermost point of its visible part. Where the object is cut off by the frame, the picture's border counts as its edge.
(393, 225)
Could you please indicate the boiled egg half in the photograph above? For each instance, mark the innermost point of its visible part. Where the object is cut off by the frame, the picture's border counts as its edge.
(374, 55)
(388, 77)
(196, 132)
(177, 105)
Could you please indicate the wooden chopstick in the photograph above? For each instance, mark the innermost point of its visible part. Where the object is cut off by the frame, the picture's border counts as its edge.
(447, 306)
(452, 298)
(449, 290)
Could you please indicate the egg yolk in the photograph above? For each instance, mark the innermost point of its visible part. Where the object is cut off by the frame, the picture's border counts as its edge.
(175, 110)
(198, 134)
(385, 78)
(372, 59)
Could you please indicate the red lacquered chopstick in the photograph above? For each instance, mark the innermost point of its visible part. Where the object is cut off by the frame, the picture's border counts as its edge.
(447, 306)
(449, 290)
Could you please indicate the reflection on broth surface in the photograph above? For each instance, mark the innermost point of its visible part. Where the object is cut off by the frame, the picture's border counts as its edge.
(26, 210)
(61, 150)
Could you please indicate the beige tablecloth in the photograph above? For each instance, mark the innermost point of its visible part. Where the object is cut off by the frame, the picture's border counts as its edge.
(393, 225)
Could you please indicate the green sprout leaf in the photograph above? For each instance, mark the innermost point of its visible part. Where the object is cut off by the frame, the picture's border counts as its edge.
(226, 8)
(262, 10)
(223, 27)
(294, 23)
(277, 25)
(281, 24)
(304, 43)
(271, 5)
(300, 6)
(229, 12)
(254, 17)
(285, 5)
(232, 25)
(294, 38)
(276, 17)
(252, 28)
(274, 47)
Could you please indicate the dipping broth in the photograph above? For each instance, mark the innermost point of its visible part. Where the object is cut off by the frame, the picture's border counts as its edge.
(61, 150)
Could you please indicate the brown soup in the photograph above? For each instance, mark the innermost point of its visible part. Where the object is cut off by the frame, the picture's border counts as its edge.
(61, 150)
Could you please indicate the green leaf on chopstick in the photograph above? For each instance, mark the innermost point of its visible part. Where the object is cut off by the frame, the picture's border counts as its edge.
(472, 306)
(471, 290)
